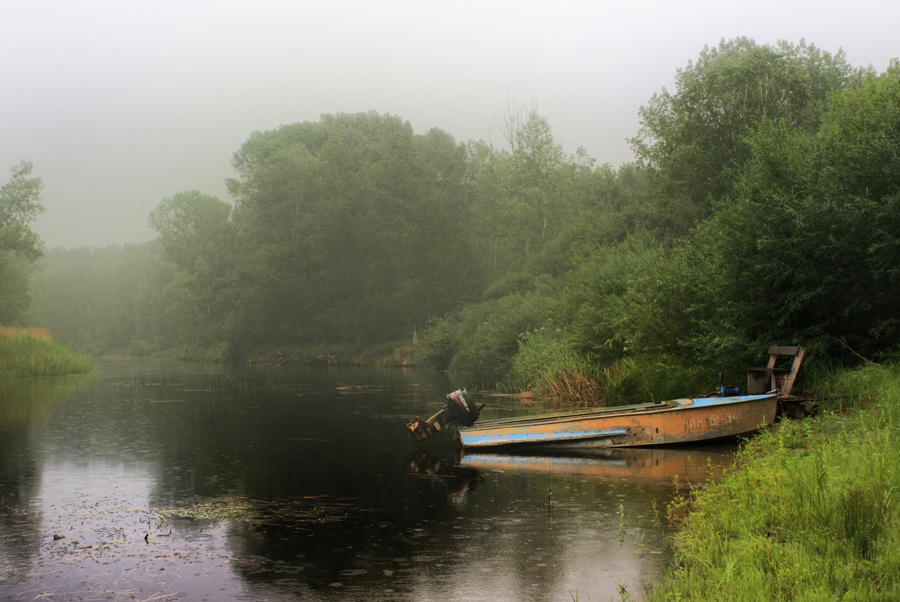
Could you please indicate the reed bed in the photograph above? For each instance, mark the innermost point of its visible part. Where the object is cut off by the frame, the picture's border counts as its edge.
(572, 387)
(548, 366)
(14, 331)
(812, 512)
(31, 352)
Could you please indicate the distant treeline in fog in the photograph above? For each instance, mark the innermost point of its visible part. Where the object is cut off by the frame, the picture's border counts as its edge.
(763, 208)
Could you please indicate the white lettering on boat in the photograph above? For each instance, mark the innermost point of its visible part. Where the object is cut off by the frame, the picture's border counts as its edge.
(710, 422)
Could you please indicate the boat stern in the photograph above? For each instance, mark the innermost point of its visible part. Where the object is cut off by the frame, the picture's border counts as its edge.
(458, 409)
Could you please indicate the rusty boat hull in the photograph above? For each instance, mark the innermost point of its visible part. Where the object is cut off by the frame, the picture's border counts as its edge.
(679, 421)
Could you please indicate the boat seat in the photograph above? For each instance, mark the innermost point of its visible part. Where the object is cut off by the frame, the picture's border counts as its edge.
(779, 374)
(680, 403)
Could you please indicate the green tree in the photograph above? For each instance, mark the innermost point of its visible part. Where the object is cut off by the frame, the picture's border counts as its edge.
(697, 138)
(199, 245)
(352, 229)
(522, 193)
(808, 251)
(98, 300)
(20, 204)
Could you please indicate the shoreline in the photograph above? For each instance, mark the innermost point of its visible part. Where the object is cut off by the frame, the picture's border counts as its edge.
(811, 510)
(29, 352)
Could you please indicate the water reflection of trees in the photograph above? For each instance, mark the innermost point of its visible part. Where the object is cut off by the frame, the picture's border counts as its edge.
(311, 483)
(518, 540)
(319, 511)
(320, 493)
(24, 402)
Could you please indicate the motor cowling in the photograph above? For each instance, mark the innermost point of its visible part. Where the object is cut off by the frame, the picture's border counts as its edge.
(727, 391)
(458, 409)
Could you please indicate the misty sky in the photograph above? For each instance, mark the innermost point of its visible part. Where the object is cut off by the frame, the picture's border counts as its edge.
(121, 103)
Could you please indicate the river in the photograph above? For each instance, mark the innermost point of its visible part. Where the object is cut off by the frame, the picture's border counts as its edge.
(155, 480)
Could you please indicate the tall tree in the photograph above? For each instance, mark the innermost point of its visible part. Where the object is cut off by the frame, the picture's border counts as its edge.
(809, 247)
(352, 229)
(95, 299)
(20, 204)
(697, 138)
(522, 195)
(198, 241)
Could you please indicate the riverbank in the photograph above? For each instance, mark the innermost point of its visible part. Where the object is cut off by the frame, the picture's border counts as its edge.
(809, 513)
(31, 352)
(385, 354)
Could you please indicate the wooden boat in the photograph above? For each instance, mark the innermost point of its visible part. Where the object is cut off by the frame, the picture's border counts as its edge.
(725, 414)
(678, 421)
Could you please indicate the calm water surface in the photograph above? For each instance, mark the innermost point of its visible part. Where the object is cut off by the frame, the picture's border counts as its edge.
(170, 481)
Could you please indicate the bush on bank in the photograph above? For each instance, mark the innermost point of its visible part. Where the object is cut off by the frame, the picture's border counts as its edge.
(810, 513)
(31, 352)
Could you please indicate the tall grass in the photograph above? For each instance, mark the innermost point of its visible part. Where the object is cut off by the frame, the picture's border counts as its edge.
(548, 366)
(31, 352)
(13, 331)
(812, 512)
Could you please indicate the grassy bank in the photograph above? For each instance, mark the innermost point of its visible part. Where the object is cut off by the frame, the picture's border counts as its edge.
(811, 513)
(31, 352)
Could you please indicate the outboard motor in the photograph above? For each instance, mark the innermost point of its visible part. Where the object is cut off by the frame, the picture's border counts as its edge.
(727, 391)
(459, 408)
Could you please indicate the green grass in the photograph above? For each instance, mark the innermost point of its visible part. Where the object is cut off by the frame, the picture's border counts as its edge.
(811, 513)
(549, 367)
(25, 353)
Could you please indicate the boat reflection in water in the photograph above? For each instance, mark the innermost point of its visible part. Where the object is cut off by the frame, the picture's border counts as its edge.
(683, 467)
(460, 481)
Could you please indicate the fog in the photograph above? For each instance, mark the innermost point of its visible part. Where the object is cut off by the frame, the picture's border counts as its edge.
(121, 104)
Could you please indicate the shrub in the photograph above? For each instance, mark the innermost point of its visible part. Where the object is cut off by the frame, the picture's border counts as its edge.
(31, 352)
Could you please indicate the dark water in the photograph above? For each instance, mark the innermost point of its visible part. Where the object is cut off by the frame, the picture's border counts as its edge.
(169, 481)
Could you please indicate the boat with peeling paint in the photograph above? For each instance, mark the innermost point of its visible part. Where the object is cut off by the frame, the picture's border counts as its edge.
(678, 421)
(722, 415)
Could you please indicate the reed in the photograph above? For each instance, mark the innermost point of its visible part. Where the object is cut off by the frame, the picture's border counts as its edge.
(14, 331)
(31, 352)
(811, 513)
(570, 386)
(572, 380)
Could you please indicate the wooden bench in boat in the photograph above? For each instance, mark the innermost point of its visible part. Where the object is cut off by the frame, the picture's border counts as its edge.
(776, 376)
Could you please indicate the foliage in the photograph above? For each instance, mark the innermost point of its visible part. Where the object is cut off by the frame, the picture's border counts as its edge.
(550, 283)
(808, 249)
(100, 301)
(352, 229)
(15, 296)
(30, 352)
(812, 513)
(763, 210)
(548, 366)
(20, 204)
(488, 332)
(437, 348)
(199, 247)
(696, 138)
(631, 299)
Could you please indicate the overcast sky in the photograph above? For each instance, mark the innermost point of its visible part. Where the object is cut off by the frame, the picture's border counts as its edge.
(121, 103)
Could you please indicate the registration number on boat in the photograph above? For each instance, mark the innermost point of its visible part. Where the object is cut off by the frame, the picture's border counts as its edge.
(710, 422)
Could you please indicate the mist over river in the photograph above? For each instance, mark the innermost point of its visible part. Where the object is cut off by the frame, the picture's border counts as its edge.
(152, 480)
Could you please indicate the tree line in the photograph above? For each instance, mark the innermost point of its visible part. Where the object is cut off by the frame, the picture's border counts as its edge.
(762, 208)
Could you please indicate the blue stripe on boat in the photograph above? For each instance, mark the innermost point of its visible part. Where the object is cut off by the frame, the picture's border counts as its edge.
(471, 439)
